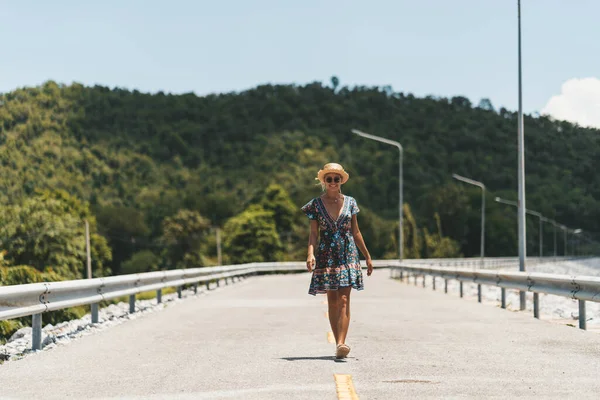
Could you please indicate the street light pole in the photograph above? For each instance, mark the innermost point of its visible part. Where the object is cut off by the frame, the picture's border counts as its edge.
(482, 186)
(400, 179)
(521, 173)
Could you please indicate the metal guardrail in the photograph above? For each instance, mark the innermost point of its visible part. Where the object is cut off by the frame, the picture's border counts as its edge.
(581, 288)
(24, 300)
(35, 299)
(485, 263)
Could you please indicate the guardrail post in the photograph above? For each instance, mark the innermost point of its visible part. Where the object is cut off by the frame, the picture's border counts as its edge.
(479, 292)
(582, 319)
(131, 303)
(196, 288)
(415, 279)
(158, 296)
(433, 282)
(445, 285)
(461, 289)
(178, 292)
(423, 280)
(36, 334)
(218, 284)
(94, 313)
(207, 285)
(503, 297)
(536, 305)
(401, 276)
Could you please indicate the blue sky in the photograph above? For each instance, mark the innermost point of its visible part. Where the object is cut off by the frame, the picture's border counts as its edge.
(438, 47)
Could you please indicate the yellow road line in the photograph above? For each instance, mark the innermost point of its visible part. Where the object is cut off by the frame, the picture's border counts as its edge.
(330, 337)
(345, 387)
(324, 302)
(326, 314)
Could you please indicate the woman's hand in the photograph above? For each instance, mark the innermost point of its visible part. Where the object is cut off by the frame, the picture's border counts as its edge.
(369, 266)
(310, 262)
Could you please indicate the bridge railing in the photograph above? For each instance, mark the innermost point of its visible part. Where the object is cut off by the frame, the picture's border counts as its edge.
(581, 288)
(37, 298)
(485, 263)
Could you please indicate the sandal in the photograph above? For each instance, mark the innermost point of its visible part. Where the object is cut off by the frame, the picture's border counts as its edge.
(342, 351)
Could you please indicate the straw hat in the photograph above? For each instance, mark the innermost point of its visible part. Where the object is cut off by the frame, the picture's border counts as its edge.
(332, 168)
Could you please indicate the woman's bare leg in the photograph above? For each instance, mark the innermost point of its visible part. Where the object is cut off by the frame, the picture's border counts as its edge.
(343, 321)
(333, 311)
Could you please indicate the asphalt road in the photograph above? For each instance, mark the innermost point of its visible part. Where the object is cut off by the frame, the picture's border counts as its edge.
(265, 338)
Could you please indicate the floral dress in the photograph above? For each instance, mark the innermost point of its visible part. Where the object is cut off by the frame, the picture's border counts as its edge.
(337, 262)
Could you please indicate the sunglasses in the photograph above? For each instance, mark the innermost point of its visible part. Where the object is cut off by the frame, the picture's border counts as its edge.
(329, 179)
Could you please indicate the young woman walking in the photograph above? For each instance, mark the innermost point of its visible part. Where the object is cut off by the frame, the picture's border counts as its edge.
(336, 267)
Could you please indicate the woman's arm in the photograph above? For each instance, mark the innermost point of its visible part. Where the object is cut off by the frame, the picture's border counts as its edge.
(360, 242)
(312, 244)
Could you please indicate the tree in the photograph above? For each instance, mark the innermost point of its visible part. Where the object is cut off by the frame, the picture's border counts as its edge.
(252, 236)
(453, 209)
(182, 237)
(126, 230)
(486, 104)
(461, 102)
(142, 261)
(411, 237)
(138, 158)
(277, 200)
(218, 206)
(335, 82)
(48, 234)
(438, 246)
(377, 232)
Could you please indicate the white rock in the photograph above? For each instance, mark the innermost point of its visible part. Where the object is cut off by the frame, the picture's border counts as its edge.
(21, 333)
(48, 339)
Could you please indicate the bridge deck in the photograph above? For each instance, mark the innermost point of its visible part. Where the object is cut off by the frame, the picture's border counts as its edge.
(265, 338)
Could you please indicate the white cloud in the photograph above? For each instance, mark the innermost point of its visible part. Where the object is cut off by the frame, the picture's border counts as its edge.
(578, 102)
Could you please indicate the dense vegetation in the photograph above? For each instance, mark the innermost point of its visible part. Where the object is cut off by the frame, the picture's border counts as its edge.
(157, 175)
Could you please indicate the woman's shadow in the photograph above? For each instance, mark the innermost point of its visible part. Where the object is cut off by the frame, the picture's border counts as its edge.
(324, 358)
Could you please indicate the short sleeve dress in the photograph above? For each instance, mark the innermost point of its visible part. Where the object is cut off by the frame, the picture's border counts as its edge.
(337, 260)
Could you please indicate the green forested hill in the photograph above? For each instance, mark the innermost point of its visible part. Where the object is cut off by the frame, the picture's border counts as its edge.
(156, 173)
